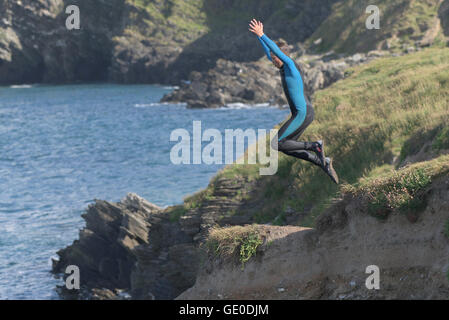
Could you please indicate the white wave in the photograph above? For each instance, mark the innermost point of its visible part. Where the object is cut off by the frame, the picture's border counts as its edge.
(239, 105)
(155, 104)
(171, 87)
(50, 260)
(21, 86)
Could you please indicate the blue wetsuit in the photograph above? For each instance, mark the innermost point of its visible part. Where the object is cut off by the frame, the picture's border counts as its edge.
(301, 109)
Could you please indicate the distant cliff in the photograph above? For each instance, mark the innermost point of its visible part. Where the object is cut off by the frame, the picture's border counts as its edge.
(133, 41)
(154, 41)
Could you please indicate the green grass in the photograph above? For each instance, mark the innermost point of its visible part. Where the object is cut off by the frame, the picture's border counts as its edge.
(176, 213)
(191, 202)
(2, 35)
(438, 136)
(183, 22)
(279, 220)
(166, 21)
(248, 247)
(239, 242)
(402, 22)
(402, 190)
(386, 102)
(197, 199)
(442, 139)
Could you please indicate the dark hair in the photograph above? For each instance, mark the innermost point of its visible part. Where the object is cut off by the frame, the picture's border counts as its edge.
(283, 45)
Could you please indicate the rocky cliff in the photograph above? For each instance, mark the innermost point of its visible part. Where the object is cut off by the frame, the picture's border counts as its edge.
(155, 41)
(134, 41)
(259, 82)
(150, 253)
(35, 45)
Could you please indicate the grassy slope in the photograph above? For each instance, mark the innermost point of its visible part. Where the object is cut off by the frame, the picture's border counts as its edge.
(401, 21)
(402, 191)
(365, 121)
(165, 21)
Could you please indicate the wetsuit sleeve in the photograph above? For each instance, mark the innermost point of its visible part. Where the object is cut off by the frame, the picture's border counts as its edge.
(265, 48)
(275, 49)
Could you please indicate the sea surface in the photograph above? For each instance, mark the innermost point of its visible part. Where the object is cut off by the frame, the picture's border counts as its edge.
(61, 147)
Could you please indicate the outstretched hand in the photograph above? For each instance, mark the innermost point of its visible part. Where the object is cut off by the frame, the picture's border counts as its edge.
(256, 27)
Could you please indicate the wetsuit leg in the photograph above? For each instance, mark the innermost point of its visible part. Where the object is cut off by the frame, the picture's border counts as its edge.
(297, 149)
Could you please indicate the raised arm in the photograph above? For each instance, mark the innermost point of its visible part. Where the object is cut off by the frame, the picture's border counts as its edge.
(256, 27)
(265, 48)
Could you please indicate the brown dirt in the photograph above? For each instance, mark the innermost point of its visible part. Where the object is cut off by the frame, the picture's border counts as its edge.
(329, 262)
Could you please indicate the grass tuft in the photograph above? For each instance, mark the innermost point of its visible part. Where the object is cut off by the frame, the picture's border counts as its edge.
(177, 212)
(239, 242)
(402, 190)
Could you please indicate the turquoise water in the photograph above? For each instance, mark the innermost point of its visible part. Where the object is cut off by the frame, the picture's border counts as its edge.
(63, 146)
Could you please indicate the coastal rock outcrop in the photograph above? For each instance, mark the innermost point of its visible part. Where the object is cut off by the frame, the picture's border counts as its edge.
(229, 82)
(253, 83)
(129, 248)
(105, 250)
(135, 249)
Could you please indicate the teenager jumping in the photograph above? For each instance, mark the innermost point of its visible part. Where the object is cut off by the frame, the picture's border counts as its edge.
(300, 107)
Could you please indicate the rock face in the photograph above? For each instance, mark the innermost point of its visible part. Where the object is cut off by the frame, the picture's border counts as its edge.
(133, 41)
(259, 82)
(169, 264)
(130, 246)
(35, 45)
(444, 17)
(136, 247)
(105, 250)
(229, 83)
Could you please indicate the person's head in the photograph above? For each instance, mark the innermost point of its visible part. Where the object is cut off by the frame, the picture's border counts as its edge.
(284, 48)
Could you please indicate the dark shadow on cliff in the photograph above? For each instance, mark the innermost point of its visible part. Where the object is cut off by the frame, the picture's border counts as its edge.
(443, 14)
(229, 37)
(11, 74)
(48, 52)
(88, 53)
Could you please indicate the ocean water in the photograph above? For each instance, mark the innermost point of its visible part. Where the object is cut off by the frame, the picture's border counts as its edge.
(63, 146)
